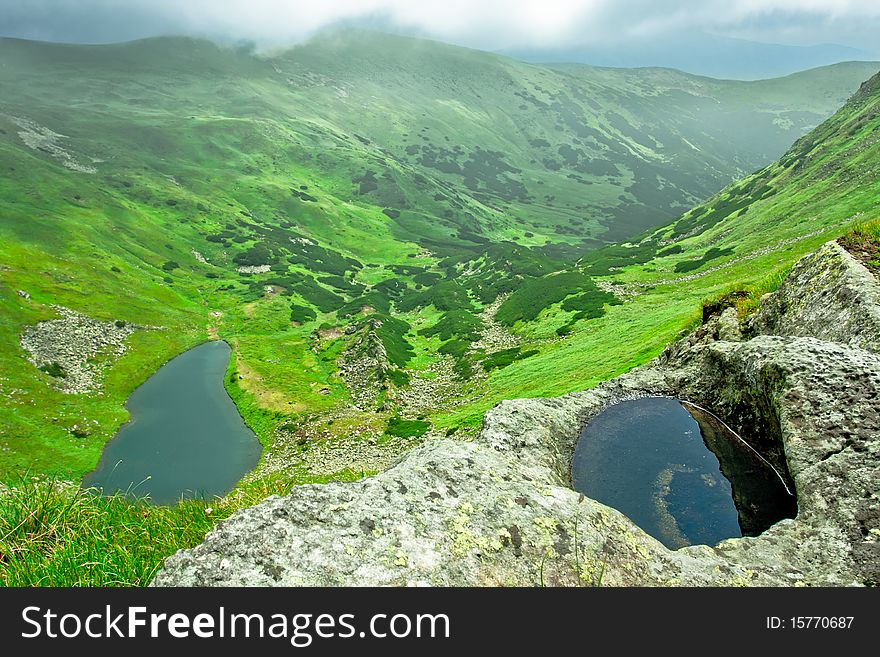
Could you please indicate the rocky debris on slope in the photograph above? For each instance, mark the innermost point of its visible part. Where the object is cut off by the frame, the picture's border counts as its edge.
(66, 348)
(348, 436)
(364, 364)
(499, 511)
(494, 336)
(254, 269)
(40, 138)
(435, 388)
(320, 452)
(345, 438)
(622, 291)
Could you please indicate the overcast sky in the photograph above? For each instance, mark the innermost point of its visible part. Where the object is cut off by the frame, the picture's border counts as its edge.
(485, 24)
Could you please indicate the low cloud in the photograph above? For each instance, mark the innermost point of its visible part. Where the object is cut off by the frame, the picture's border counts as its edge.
(486, 24)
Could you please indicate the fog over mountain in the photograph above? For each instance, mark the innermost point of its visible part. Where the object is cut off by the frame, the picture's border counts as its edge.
(737, 38)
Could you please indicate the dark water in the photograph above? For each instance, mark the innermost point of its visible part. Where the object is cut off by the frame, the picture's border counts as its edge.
(651, 459)
(185, 437)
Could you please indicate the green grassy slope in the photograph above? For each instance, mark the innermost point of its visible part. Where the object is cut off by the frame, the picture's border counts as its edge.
(741, 239)
(451, 138)
(404, 176)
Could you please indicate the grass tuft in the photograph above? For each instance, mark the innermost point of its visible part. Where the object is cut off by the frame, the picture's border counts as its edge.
(745, 298)
(863, 241)
(54, 533)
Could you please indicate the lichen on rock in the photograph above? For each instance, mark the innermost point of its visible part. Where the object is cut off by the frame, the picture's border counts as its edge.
(827, 295)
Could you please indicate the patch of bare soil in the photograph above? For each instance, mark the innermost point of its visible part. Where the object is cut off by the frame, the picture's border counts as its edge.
(863, 249)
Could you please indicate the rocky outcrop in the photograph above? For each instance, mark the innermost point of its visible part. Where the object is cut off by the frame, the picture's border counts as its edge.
(825, 296)
(499, 511)
(364, 364)
(66, 348)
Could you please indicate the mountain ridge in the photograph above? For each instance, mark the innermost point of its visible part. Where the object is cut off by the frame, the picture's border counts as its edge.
(558, 174)
(703, 54)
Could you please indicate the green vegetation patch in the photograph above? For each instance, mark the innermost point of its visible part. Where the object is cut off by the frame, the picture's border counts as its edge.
(711, 254)
(318, 295)
(258, 254)
(455, 348)
(738, 198)
(392, 332)
(501, 359)
(342, 283)
(402, 428)
(373, 299)
(863, 242)
(461, 324)
(590, 304)
(604, 261)
(302, 314)
(527, 302)
(398, 377)
(54, 533)
(54, 369)
(445, 295)
(317, 258)
(745, 298)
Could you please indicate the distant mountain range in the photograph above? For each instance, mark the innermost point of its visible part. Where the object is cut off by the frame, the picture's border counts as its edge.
(701, 54)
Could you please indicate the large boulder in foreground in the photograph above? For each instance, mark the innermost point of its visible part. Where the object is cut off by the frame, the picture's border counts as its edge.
(827, 295)
(499, 510)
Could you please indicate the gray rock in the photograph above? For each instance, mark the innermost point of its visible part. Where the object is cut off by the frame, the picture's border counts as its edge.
(499, 511)
(728, 326)
(71, 342)
(827, 295)
(364, 364)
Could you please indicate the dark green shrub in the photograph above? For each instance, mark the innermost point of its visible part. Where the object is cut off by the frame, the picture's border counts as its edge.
(54, 369)
(398, 377)
(302, 314)
(402, 428)
(319, 296)
(526, 303)
(501, 359)
(455, 348)
(392, 332)
(461, 324)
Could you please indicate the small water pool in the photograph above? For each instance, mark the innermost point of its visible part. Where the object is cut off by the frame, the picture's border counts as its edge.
(678, 473)
(185, 437)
